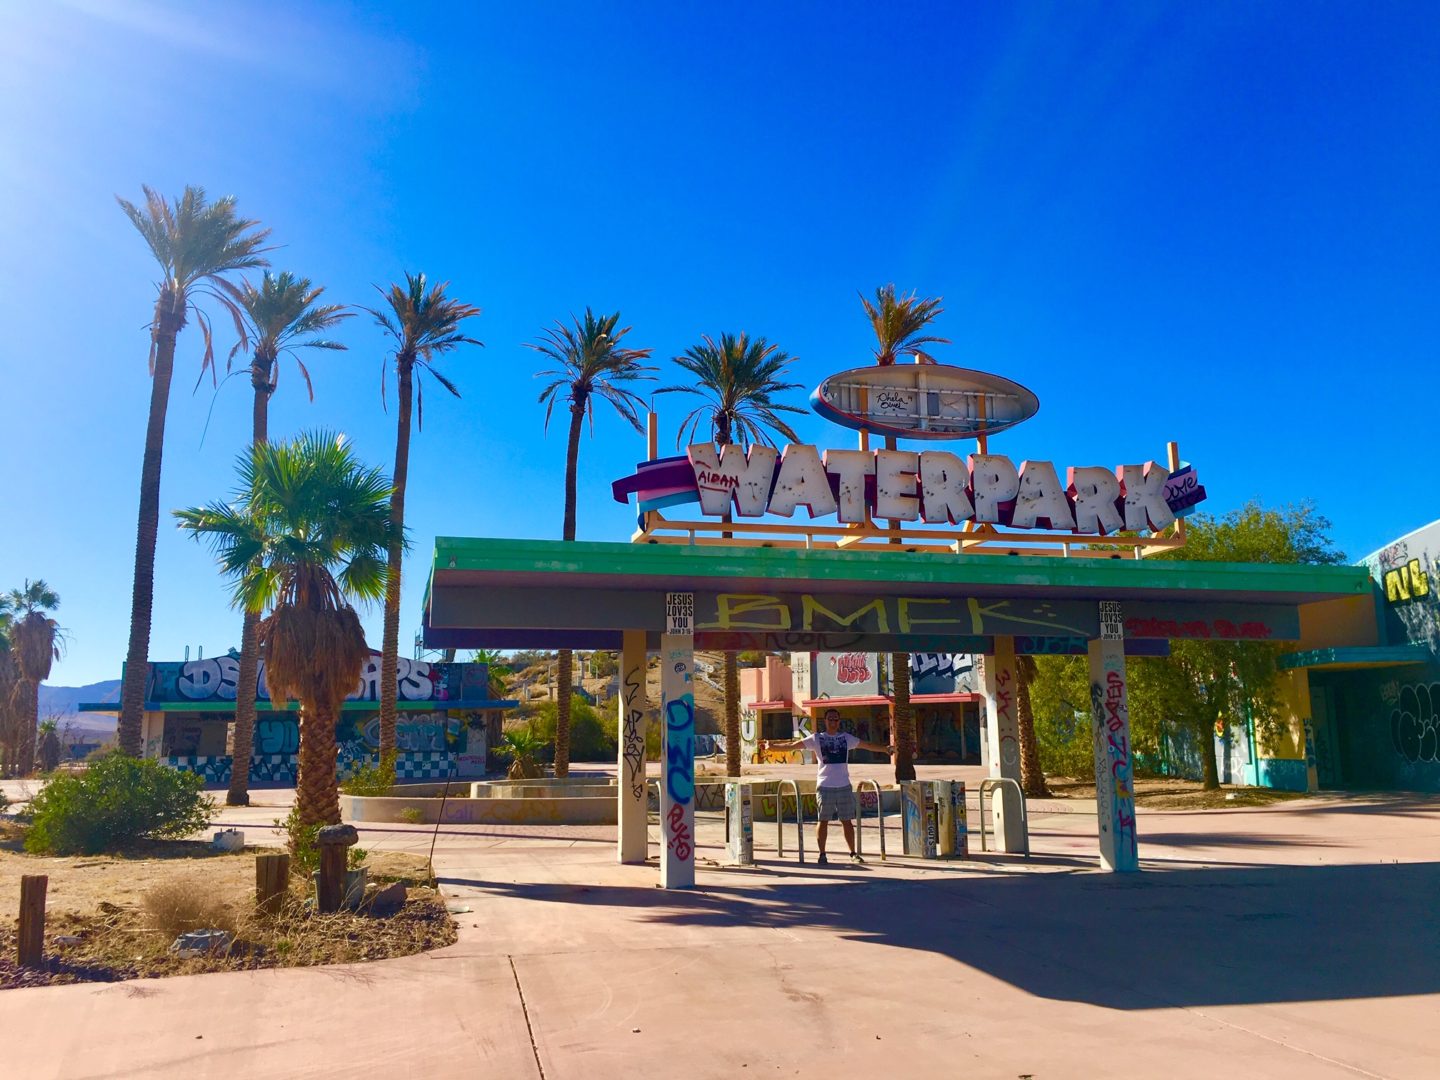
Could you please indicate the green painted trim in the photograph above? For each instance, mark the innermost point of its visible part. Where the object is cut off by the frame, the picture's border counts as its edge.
(1374, 655)
(294, 706)
(554, 560)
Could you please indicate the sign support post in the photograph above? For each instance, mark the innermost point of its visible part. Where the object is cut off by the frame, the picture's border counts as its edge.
(1002, 732)
(1114, 761)
(632, 843)
(677, 792)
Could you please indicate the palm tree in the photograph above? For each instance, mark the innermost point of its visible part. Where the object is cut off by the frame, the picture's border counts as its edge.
(1032, 776)
(592, 361)
(35, 643)
(196, 244)
(739, 378)
(307, 533)
(422, 324)
(282, 314)
(9, 679)
(899, 324)
(496, 667)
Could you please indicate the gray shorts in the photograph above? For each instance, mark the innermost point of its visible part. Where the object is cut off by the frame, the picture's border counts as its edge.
(836, 802)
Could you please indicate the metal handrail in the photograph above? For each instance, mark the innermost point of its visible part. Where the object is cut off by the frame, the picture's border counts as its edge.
(860, 818)
(780, 819)
(990, 783)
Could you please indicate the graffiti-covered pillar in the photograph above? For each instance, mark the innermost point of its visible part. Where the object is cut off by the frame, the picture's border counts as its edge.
(1114, 762)
(632, 844)
(1002, 735)
(677, 712)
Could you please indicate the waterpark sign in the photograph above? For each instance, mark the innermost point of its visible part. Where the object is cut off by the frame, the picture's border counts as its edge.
(933, 486)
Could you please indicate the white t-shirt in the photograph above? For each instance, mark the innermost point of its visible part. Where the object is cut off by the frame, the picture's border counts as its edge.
(833, 754)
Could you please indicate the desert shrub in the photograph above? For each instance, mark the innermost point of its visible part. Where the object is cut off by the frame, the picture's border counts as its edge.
(117, 800)
(604, 664)
(594, 735)
(750, 658)
(412, 815)
(521, 746)
(355, 857)
(173, 908)
(304, 851)
(374, 778)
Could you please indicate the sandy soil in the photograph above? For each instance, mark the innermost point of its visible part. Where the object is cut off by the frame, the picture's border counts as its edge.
(1167, 793)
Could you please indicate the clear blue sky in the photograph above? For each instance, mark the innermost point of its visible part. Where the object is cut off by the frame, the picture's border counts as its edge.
(1215, 223)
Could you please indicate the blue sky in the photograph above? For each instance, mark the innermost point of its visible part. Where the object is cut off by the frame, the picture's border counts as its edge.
(1212, 223)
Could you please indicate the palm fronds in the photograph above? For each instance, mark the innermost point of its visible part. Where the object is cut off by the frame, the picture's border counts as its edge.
(739, 376)
(899, 324)
(283, 314)
(592, 361)
(423, 323)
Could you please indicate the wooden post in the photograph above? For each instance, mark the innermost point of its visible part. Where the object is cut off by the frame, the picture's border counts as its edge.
(32, 919)
(632, 840)
(272, 879)
(332, 878)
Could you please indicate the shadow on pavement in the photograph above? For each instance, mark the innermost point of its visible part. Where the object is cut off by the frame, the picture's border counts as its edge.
(1161, 938)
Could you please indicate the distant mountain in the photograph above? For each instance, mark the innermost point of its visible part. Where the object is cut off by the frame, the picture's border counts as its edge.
(62, 702)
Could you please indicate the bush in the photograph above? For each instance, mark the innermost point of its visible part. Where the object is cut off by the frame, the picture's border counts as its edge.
(177, 907)
(593, 735)
(116, 801)
(304, 851)
(412, 815)
(373, 778)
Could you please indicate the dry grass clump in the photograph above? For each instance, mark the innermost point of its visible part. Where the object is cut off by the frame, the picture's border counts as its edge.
(177, 907)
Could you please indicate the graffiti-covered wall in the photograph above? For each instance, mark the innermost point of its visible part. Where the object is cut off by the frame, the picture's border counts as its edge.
(1388, 729)
(846, 674)
(215, 679)
(942, 673)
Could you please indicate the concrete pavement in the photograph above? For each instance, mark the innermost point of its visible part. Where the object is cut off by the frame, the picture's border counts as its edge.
(1290, 940)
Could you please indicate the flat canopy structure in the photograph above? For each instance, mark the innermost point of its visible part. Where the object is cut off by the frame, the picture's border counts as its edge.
(486, 593)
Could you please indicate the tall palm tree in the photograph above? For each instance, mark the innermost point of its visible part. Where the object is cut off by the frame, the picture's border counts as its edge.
(592, 361)
(282, 315)
(422, 324)
(308, 532)
(1032, 776)
(9, 679)
(196, 244)
(739, 378)
(35, 643)
(900, 325)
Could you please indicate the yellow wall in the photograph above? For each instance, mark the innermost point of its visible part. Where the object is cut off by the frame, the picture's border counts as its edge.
(1336, 624)
(1288, 742)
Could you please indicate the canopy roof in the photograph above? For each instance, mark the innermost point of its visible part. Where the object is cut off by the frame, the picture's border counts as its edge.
(491, 593)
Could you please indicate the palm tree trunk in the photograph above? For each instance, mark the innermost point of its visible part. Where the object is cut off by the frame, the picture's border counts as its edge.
(734, 761)
(1032, 776)
(315, 794)
(244, 741)
(29, 710)
(390, 648)
(902, 718)
(169, 317)
(565, 659)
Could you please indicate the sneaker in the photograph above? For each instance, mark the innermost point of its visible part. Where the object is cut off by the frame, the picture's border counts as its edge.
(855, 857)
(822, 860)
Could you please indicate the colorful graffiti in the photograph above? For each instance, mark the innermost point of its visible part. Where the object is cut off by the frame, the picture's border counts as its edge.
(217, 678)
(942, 673)
(678, 712)
(1114, 770)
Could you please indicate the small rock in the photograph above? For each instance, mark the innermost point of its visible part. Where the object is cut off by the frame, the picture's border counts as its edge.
(388, 901)
(337, 835)
(634, 1031)
(68, 939)
(200, 943)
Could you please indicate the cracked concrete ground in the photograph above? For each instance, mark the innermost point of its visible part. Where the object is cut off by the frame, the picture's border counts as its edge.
(1291, 940)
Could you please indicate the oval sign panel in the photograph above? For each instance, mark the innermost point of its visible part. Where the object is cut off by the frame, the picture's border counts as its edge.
(923, 401)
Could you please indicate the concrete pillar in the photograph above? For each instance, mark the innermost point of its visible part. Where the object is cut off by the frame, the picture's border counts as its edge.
(677, 792)
(632, 844)
(1002, 737)
(1114, 763)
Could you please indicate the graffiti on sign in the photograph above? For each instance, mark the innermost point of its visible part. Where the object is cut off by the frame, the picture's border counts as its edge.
(217, 678)
(851, 668)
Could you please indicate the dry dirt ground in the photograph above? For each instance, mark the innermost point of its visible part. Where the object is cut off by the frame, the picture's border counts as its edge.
(114, 916)
(1167, 793)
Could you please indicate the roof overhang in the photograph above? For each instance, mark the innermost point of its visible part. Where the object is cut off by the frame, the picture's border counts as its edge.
(1349, 659)
(486, 593)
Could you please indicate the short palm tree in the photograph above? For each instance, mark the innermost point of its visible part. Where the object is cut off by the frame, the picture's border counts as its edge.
(308, 533)
(739, 377)
(592, 362)
(422, 323)
(282, 315)
(900, 325)
(196, 243)
(35, 643)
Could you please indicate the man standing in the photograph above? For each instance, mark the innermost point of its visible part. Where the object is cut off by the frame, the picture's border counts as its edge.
(831, 748)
